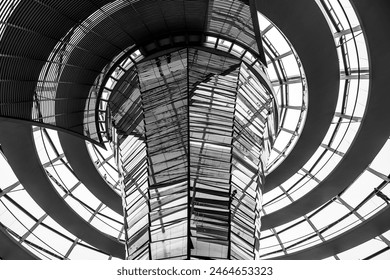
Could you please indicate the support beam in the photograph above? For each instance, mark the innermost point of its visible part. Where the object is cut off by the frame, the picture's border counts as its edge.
(253, 4)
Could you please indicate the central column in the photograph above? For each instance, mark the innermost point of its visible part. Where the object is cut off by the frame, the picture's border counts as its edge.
(200, 119)
(188, 114)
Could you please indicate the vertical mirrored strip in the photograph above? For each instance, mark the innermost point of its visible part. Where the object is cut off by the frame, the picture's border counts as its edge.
(247, 167)
(163, 83)
(133, 153)
(211, 118)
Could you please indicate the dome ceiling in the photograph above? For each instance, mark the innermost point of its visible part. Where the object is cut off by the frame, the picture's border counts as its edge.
(62, 58)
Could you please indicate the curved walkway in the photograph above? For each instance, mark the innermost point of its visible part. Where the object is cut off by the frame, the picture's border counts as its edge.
(12, 250)
(77, 154)
(375, 128)
(363, 232)
(18, 145)
(304, 25)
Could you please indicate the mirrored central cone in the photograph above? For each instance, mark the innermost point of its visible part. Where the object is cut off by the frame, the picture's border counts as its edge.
(192, 136)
